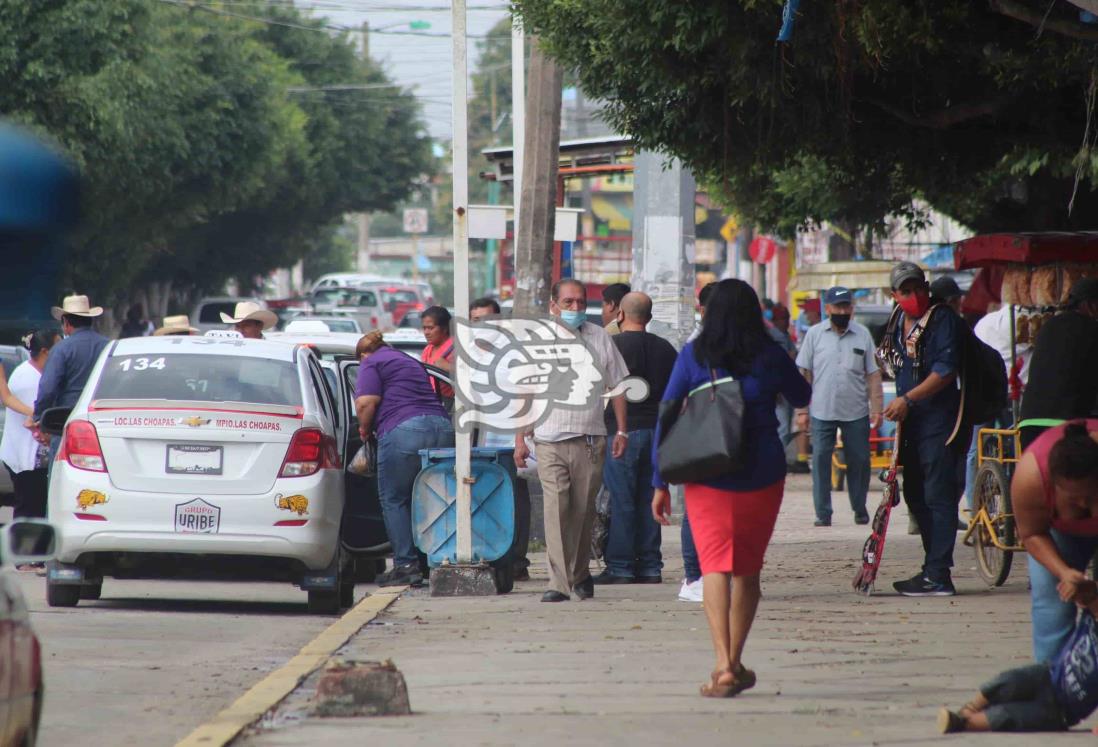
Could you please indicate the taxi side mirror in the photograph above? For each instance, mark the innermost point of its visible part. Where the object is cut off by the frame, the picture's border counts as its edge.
(53, 420)
(28, 541)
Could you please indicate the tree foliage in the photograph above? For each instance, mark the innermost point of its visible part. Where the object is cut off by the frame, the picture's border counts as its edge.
(978, 107)
(208, 145)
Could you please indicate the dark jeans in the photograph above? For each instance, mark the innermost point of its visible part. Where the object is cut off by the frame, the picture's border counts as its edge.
(691, 566)
(30, 488)
(855, 454)
(1023, 699)
(933, 480)
(633, 548)
(398, 463)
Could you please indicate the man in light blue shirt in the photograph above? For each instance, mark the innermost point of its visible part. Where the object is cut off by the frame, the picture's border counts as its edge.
(837, 356)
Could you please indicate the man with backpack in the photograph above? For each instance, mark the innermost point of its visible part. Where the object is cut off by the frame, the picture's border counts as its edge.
(925, 348)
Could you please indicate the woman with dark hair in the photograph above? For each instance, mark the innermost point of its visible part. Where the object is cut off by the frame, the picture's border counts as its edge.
(1055, 496)
(23, 456)
(732, 516)
(393, 399)
(440, 346)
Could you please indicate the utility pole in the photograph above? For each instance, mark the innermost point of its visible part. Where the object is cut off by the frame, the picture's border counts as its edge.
(518, 128)
(462, 479)
(537, 217)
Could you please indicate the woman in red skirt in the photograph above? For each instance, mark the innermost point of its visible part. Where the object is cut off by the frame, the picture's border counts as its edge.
(733, 516)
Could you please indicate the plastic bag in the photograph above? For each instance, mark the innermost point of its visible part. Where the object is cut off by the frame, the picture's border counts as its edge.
(364, 462)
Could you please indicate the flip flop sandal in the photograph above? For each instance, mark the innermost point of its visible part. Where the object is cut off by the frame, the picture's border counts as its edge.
(714, 689)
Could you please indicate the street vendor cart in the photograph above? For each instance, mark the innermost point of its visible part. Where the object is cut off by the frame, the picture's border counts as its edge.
(1037, 271)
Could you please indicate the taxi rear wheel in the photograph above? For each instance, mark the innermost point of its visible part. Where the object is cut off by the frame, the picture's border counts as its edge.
(62, 595)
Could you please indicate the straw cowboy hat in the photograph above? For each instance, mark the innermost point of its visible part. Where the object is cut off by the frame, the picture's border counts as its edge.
(76, 306)
(176, 325)
(250, 311)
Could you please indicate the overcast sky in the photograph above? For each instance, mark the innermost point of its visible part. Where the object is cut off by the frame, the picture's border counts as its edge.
(421, 62)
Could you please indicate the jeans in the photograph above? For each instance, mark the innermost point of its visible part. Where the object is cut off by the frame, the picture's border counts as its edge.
(398, 463)
(1023, 699)
(1004, 421)
(1054, 620)
(933, 475)
(691, 566)
(633, 547)
(856, 456)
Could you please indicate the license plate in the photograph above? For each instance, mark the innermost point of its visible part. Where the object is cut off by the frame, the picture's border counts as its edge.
(197, 517)
(193, 459)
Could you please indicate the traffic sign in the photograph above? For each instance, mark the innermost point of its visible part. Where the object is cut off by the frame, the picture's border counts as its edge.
(728, 230)
(415, 220)
(762, 249)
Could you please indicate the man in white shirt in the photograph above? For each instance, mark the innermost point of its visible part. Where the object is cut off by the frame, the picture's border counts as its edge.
(570, 447)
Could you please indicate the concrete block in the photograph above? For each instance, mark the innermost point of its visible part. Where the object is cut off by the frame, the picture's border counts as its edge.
(368, 688)
(463, 581)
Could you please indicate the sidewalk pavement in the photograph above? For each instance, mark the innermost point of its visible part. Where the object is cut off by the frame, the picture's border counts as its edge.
(834, 667)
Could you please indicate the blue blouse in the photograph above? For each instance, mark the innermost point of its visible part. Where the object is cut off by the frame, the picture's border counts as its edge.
(772, 373)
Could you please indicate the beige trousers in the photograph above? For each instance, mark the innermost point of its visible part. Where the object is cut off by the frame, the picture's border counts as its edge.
(570, 473)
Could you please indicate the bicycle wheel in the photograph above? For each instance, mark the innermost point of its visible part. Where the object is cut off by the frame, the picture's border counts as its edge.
(993, 495)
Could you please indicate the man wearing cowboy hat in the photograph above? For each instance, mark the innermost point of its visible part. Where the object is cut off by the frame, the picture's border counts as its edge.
(250, 320)
(71, 360)
(176, 325)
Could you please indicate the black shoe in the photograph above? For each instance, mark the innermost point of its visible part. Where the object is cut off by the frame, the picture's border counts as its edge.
(402, 575)
(861, 519)
(822, 523)
(921, 586)
(554, 596)
(584, 589)
(522, 574)
(657, 579)
(606, 577)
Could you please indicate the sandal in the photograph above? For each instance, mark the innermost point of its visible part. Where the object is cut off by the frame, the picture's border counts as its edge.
(742, 679)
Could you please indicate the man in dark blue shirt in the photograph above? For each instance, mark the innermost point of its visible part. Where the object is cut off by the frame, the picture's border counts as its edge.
(71, 360)
(925, 354)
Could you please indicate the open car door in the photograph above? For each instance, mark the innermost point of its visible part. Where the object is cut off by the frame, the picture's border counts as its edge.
(363, 532)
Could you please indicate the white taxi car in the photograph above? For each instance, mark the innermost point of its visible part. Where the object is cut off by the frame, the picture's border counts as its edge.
(201, 456)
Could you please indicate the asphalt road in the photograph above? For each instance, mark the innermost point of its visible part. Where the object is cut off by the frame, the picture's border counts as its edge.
(152, 660)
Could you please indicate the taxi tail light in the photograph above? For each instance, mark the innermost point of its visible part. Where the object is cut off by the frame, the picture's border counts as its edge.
(80, 447)
(309, 452)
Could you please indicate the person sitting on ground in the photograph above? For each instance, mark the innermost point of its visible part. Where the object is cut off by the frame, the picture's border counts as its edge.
(1050, 696)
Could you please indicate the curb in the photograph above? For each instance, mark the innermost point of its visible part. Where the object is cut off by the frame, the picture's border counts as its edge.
(269, 692)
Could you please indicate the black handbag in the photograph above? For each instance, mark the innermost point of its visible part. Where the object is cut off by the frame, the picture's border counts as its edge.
(701, 438)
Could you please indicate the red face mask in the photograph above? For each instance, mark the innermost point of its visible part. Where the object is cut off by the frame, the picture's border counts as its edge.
(916, 304)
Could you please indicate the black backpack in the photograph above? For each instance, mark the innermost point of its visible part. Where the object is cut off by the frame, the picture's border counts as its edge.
(983, 380)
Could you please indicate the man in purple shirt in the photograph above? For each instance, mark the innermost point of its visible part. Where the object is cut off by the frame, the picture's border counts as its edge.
(394, 399)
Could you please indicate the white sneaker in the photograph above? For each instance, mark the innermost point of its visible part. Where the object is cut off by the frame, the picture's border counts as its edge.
(691, 592)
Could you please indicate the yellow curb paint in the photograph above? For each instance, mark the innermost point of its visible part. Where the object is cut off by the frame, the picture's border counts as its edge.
(269, 692)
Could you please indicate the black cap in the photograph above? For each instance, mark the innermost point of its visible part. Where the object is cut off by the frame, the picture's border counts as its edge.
(904, 271)
(1084, 289)
(945, 288)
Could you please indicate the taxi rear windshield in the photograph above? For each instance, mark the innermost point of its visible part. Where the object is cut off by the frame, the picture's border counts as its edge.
(200, 378)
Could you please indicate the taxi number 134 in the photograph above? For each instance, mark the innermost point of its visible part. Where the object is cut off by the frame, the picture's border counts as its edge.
(141, 364)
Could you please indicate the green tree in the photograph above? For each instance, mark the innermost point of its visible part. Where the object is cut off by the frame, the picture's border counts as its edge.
(980, 108)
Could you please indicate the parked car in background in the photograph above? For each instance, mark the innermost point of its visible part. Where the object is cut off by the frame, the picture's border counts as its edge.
(207, 312)
(21, 682)
(10, 357)
(362, 303)
(334, 323)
